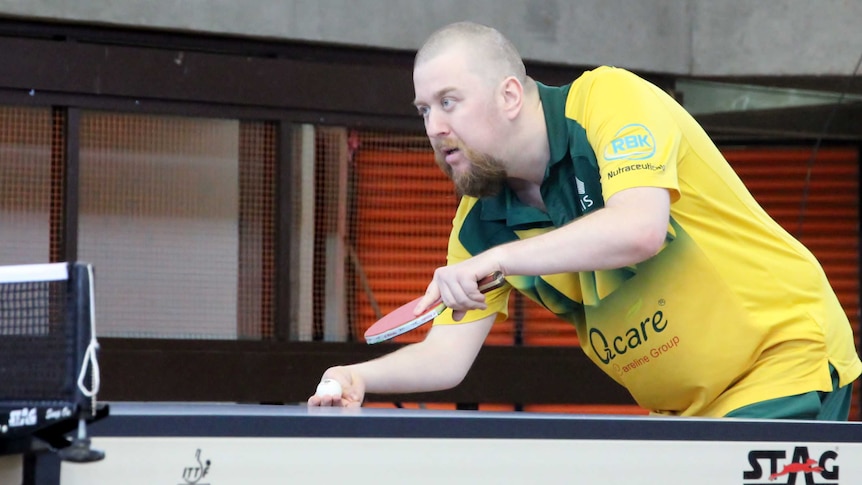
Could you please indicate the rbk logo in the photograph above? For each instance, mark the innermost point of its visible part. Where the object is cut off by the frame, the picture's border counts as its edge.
(632, 142)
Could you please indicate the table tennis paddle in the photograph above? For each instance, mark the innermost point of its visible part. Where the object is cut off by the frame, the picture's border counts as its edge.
(402, 319)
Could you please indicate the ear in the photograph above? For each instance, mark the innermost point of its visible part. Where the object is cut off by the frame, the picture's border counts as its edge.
(511, 97)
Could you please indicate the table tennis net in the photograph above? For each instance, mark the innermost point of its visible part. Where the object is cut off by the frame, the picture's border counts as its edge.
(45, 332)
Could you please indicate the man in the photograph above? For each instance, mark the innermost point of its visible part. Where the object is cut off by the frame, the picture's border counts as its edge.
(606, 202)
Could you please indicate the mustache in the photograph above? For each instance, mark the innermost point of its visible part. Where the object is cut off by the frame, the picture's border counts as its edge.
(447, 145)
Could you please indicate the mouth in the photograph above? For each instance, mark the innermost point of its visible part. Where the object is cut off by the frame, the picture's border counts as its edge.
(449, 154)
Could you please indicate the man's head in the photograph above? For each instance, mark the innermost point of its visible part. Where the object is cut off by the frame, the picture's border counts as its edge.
(469, 82)
(493, 55)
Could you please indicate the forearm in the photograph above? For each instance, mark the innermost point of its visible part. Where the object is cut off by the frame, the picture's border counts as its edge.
(439, 362)
(409, 369)
(588, 244)
(619, 235)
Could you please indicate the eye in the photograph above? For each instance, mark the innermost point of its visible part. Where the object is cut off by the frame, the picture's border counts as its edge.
(447, 103)
(423, 111)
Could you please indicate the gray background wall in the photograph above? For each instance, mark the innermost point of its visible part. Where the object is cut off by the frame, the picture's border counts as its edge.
(683, 37)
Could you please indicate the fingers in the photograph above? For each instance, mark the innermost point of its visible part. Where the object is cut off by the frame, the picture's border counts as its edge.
(432, 294)
(325, 401)
(343, 401)
(459, 292)
(352, 390)
(347, 399)
(457, 286)
(328, 401)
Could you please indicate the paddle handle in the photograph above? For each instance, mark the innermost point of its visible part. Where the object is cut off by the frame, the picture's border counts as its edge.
(492, 281)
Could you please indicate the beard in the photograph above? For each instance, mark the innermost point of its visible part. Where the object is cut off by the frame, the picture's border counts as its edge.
(484, 177)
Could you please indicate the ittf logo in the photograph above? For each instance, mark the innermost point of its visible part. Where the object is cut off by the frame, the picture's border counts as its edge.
(802, 467)
(631, 142)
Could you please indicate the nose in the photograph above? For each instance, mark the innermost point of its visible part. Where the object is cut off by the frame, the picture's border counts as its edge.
(436, 124)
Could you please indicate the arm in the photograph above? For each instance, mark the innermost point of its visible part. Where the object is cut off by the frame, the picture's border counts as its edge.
(628, 230)
(631, 228)
(439, 362)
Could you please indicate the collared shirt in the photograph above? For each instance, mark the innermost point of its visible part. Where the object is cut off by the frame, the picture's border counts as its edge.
(731, 311)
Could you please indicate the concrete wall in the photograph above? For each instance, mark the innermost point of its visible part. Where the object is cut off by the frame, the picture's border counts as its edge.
(776, 37)
(697, 37)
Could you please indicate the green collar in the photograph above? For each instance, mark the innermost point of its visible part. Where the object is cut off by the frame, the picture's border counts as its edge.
(506, 205)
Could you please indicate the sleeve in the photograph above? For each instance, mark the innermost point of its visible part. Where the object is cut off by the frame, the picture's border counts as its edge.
(631, 129)
(497, 300)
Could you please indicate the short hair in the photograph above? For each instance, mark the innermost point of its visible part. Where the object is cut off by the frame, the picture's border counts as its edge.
(485, 42)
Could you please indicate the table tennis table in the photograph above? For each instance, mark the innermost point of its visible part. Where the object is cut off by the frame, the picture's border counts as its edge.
(221, 444)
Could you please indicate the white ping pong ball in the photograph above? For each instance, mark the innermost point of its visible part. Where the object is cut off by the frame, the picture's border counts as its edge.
(329, 387)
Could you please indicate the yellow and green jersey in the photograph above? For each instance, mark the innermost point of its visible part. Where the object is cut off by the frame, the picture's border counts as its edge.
(732, 311)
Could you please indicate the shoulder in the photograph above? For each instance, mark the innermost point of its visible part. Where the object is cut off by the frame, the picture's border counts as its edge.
(613, 92)
(605, 76)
